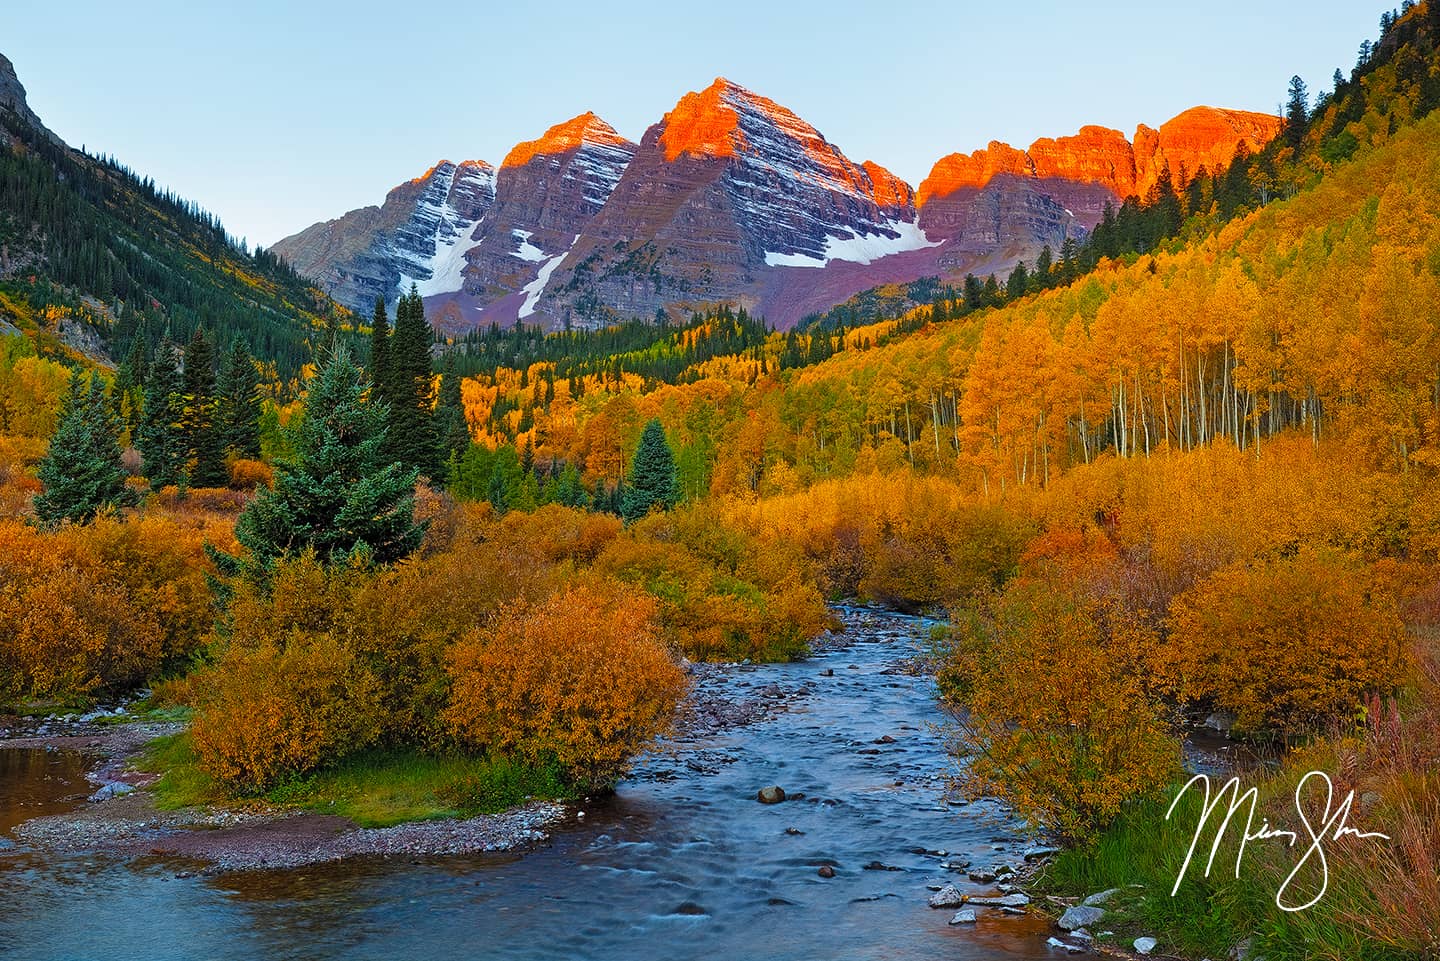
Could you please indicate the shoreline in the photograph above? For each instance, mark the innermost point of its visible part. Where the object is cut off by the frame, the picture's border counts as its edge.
(120, 817)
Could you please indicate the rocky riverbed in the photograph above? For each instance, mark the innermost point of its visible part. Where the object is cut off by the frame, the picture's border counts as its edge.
(683, 861)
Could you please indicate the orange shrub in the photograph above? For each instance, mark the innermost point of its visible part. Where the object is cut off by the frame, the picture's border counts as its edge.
(268, 711)
(1289, 644)
(248, 474)
(98, 608)
(581, 677)
(1055, 716)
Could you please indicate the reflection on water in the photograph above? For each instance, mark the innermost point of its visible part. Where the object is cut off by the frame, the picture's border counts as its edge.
(681, 863)
(36, 782)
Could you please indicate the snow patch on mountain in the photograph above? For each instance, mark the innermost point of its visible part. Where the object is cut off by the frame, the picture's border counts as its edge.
(536, 287)
(859, 248)
(429, 248)
(528, 252)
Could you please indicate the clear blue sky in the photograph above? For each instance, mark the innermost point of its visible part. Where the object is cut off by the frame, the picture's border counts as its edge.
(277, 114)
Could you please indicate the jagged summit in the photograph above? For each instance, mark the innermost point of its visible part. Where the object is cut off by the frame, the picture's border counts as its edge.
(586, 130)
(731, 196)
(1200, 136)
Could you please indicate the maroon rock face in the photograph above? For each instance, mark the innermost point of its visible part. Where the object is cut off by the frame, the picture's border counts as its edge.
(546, 194)
(727, 188)
(730, 197)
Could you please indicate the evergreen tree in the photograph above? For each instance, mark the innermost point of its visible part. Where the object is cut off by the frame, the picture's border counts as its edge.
(1297, 112)
(81, 470)
(380, 349)
(450, 425)
(497, 493)
(652, 475)
(1019, 281)
(411, 434)
(130, 384)
(238, 388)
(336, 496)
(570, 491)
(203, 432)
(160, 437)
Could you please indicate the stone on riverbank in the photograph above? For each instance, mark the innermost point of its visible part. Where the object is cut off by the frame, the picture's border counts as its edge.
(1100, 897)
(770, 795)
(966, 916)
(1080, 916)
(1145, 945)
(947, 897)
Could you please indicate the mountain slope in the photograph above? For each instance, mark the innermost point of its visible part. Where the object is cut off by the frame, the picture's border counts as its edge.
(103, 257)
(419, 235)
(733, 198)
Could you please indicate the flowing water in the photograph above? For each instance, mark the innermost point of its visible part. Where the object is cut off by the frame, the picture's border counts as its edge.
(682, 862)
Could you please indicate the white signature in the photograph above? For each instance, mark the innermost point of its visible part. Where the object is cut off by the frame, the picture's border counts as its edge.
(1332, 826)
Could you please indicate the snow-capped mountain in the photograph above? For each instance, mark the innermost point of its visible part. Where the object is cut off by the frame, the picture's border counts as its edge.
(419, 235)
(730, 197)
(727, 188)
(547, 192)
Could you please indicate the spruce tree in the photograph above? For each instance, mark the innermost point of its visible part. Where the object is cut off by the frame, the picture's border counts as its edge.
(380, 349)
(81, 470)
(238, 389)
(1297, 112)
(652, 475)
(203, 432)
(337, 496)
(411, 439)
(450, 427)
(160, 438)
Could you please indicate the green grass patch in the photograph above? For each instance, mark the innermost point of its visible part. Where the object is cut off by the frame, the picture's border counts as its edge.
(1142, 854)
(375, 788)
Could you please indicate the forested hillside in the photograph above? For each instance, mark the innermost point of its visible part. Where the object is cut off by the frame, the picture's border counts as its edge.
(91, 245)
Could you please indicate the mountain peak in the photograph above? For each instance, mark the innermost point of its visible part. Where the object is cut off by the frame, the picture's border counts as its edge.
(585, 130)
(12, 96)
(1200, 136)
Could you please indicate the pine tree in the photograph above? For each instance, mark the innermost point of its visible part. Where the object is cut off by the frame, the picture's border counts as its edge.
(337, 496)
(160, 437)
(652, 475)
(81, 470)
(238, 389)
(1297, 112)
(450, 426)
(203, 432)
(409, 387)
(380, 349)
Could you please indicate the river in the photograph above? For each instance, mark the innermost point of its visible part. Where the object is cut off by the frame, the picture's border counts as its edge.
(682, 862)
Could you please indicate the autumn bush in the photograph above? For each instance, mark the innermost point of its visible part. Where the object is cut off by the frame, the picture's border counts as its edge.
(269, 711)
(97, 609)
(247, 474)
(722, 594)
(581, 678)
(1055, 717)
(1287, 644)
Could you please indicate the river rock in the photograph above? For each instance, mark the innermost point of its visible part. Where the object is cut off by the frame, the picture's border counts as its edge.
(1079, 916)
(113, 789)
(947, 897)
(966, 916)
(1145, 945)
(770, 795)
(1039, 853)
(1016, 900)
(1100, 897)
(982, 877)
(1069, 948)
